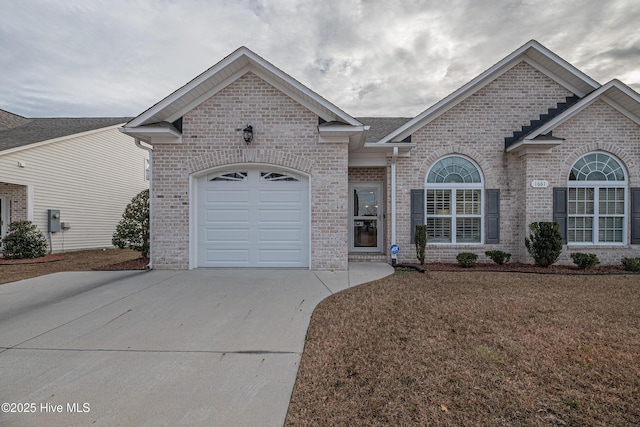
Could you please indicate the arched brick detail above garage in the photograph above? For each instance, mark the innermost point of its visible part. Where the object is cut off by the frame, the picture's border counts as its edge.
(217, 158)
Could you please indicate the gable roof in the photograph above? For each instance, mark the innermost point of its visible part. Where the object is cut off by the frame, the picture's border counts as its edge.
(534, 54)
(31, 131)
(225, 72)
(615, 93)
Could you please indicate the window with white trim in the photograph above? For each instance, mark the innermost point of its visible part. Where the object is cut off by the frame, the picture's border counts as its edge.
(454, 208)
(597, 199)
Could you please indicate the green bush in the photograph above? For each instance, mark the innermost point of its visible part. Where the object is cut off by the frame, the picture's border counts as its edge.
(24, 240)
(133, 229)
(631, 264)
(421, 242)
(544, 243)
(499, 257)
(467, 259)
(584, 261)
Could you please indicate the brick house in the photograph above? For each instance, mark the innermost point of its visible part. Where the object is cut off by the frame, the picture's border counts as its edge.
(252, 169)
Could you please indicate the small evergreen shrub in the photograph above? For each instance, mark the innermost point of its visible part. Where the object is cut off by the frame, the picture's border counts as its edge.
(24, 241)
(133, 229)
(584, 261)
(421, 242)
(499, 257)
(467, 259)
(544, 243)
(631, 264)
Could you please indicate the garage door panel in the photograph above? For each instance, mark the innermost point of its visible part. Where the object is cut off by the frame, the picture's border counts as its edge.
(252, 223)
(227, 215)
(226, 235)
(277, 256)
(222, 257)
(279, 216)
(226, 196)
(280, 235)
(280, 196)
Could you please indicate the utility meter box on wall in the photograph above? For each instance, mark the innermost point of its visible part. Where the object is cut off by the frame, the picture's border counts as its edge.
(54, 220)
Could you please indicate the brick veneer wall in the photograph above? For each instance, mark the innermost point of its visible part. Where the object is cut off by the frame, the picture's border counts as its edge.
(599, 127)
(285, 134)
(17, 196)
(476, 128)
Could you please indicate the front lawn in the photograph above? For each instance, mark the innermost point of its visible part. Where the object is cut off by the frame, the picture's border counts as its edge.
(474, 348)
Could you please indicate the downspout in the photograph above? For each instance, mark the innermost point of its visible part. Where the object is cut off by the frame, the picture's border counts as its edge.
(394, 157)
(150, 150)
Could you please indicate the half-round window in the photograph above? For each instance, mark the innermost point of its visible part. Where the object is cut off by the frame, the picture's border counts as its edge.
(454, 170)
(597, 167)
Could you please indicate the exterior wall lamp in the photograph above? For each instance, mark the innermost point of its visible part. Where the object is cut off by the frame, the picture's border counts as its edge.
(247, 133)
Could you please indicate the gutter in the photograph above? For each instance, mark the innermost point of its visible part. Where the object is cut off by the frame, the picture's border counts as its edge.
(150, 150)
(394, 157)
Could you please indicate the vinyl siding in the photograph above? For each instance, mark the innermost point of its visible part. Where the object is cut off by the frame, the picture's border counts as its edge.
(89, 178)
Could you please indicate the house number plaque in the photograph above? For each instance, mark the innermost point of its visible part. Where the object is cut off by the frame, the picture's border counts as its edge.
(539, 183)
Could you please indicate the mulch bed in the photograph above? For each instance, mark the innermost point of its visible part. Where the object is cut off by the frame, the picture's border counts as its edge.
(527, 268)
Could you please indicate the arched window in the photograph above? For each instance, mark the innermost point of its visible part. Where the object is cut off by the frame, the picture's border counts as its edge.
(597, 200)
(454, 201)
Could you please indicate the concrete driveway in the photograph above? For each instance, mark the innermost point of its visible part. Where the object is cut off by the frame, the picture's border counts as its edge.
(213, 347)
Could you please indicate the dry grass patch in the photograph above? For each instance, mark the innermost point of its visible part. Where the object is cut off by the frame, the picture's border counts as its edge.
(450, 349)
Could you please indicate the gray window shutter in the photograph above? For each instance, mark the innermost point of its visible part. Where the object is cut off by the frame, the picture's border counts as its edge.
(492, 216)
(417, 211)
(635, 216)
(560, 210)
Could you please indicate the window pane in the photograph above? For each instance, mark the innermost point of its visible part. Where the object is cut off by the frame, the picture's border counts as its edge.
(611, 201)
(439, 230)
(581, 201)
(468, 230)
(610, 229)
(580, 229)
(438, 202)
(468, 202)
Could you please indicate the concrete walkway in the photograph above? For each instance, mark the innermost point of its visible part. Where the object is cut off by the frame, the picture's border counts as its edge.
(211, 347)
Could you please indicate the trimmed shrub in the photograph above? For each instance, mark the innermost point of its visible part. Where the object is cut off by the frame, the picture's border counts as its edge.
(24, 241)
(584, 261)
(421, 242)
(467, 259)
(133, 229)
(499, 257)
(544, 243)
(631, 264)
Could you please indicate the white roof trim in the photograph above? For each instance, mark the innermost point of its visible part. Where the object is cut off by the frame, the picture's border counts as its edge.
(237, 64)
(490, 75)
(59, 139)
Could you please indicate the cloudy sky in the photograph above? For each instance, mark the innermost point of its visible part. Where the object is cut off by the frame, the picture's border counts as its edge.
(370, 57)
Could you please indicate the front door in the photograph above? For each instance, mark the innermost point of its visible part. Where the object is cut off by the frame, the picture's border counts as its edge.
(366, 217)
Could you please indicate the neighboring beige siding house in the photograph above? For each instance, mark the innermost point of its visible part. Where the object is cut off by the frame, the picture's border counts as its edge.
(82, 167)
(530, 139)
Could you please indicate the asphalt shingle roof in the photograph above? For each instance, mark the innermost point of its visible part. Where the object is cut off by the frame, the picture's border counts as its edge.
(31, 131)
(381, 126)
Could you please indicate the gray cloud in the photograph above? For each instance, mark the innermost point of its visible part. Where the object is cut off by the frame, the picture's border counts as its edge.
(369, 57)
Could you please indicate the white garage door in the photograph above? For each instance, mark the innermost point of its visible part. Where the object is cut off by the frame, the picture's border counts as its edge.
(253, 217)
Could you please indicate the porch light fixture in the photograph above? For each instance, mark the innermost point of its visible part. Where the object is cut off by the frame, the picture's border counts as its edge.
(247, 133)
